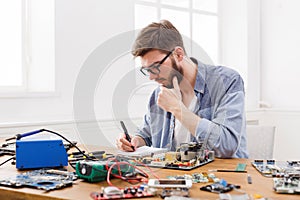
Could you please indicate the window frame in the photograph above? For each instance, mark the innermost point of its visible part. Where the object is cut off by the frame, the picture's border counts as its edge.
(25, 90)
(159, 5)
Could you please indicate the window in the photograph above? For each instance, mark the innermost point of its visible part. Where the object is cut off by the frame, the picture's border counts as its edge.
(27, 46)
(196, 20)
(11, 43)
(228, 31)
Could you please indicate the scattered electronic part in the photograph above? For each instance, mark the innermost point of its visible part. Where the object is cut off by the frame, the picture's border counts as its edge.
(249, 179)
(244, 196)
(197, 177)
(92, 171)
(112, 192)
(44, 179)
(190, 156)
(172, 187)
(95, 171)
(180, 177)
(220, 187)
(167, 183)
(75, 157)
(241, 167)
(8, 148)
(204, 177)
(272, 168)
(179, 192)
(286, 174)
(289, 184)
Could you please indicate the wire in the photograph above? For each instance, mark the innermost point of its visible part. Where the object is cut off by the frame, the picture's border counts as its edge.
(74, 145)
(144, 165)
(12, 158)
(109, 172)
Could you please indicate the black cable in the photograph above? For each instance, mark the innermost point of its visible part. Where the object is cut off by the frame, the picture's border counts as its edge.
(12, 158)
(74, 145)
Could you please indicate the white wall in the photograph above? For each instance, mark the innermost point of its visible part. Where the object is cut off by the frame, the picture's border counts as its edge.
(261, 40)
(269, 51)
(81, 26)
(280, 47)
(287, 126)
(280, 53)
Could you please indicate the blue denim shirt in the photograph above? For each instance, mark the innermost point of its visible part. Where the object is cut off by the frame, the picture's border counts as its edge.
(220, 105)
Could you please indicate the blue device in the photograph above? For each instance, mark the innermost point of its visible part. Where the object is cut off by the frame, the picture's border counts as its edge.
(32, 154)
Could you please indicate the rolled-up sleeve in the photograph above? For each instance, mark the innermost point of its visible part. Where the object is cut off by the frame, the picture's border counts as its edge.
(144, 131)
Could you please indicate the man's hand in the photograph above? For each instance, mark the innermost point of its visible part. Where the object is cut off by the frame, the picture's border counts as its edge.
(123, 144)
(170, 99)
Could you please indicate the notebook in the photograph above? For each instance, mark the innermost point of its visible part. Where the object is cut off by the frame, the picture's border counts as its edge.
(143, 151)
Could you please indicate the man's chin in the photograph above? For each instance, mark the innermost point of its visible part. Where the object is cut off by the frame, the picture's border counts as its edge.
(169, 86)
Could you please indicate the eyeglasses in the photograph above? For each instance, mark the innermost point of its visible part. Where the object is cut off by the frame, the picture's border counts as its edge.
(154, 68)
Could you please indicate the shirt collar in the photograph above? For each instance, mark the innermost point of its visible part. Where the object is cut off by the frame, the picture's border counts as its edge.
(200, 77)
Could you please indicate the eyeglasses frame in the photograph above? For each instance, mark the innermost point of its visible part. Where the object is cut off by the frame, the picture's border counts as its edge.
(155, 65)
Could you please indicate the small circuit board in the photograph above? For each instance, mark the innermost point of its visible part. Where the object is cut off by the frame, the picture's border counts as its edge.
(272, 168)
(43, 179)
(170, 160)
(112, 192)
(285, 174)
(289, 184)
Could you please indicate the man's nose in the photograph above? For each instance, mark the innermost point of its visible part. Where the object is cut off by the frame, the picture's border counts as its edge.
(152, 76)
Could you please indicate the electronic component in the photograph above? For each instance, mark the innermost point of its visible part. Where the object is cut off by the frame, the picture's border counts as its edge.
(8, 149)
(272, 168)
(220, 187)
(286, 174)
(204, 177)
(197, 177)
(192, 155)
(41, 179)
(167, 183)
(40, 152)
(289, 184)
(241, 167)
(32, 154)
(249, 179)
(92, 171)
(95, 171)
(112, 192)
(179, 192)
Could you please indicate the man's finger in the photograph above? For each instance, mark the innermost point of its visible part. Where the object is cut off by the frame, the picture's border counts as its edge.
(175, 83)
(125, 141)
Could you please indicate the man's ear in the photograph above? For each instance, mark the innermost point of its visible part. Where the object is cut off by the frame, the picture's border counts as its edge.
(179, 53)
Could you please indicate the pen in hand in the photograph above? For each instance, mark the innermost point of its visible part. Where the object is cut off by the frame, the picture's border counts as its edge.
(126, 134)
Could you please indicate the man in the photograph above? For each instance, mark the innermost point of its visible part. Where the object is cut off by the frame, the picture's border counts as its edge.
(194, 102)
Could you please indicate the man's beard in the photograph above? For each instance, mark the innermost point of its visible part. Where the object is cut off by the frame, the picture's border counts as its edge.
(175, 72)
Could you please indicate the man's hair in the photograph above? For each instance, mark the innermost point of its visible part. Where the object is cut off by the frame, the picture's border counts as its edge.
(162, 36)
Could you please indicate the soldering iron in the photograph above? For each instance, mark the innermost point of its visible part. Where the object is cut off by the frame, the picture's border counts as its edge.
(19, 136)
